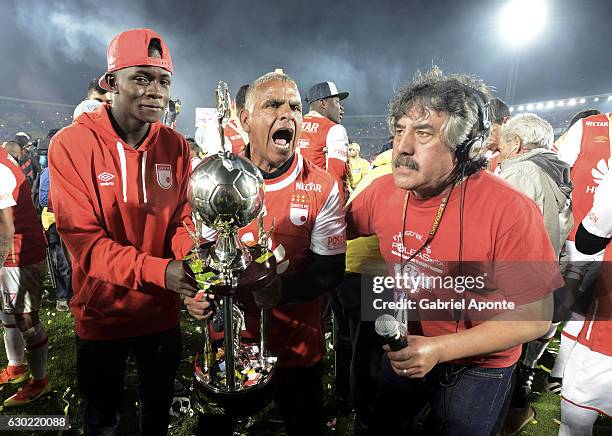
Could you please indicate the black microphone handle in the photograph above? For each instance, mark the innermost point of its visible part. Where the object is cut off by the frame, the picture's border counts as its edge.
(397, 343)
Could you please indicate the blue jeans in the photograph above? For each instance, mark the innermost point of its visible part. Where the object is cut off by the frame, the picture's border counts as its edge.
(463, 400)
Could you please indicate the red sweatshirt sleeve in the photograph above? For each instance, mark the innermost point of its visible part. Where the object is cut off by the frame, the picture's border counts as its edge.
(95, 253)
(180, 241)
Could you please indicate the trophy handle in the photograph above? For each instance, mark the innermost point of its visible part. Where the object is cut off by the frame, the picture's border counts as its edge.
(263, 235)
(224, 112)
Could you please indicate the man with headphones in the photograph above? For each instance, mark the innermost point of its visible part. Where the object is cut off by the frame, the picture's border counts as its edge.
(442, 220)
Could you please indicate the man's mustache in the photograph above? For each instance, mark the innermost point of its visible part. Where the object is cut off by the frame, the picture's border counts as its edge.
(404, 160)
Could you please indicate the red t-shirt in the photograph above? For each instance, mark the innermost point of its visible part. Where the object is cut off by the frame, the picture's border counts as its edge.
(29, 242)
(503, 231)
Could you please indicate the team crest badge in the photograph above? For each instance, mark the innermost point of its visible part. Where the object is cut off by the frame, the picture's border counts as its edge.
(298, 214)
(163, 173)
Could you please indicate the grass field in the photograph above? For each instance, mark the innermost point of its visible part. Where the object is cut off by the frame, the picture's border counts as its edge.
(64, 397)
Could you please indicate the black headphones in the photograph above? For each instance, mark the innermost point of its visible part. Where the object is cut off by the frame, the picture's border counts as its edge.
(472, 147)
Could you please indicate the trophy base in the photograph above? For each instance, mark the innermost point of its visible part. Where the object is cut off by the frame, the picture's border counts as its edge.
(255, 385)
(254, 381)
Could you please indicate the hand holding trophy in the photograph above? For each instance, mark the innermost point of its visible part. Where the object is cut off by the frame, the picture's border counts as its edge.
(226, 194)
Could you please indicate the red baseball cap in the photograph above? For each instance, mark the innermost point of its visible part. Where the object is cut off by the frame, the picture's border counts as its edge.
(131, 49)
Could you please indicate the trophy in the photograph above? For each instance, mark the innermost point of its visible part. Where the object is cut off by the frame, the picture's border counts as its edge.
(226, 194)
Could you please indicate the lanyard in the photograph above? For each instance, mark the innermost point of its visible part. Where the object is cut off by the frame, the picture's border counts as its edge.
(432, 231)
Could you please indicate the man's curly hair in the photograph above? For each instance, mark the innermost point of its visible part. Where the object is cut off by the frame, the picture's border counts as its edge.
(460, 95)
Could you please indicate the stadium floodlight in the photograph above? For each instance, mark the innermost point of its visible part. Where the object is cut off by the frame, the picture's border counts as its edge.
(511, 109)
(581, 101)
(561, 103)
(522, 20)
(529, 107)
(550, 105)
(596, 99)
(572, 102)
(521, 108)
(540, 106)
(609, 97)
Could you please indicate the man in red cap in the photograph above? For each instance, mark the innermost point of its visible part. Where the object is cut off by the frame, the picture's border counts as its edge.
(119, 192)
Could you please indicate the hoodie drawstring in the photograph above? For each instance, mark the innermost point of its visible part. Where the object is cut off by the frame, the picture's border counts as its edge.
(144, 172)
(121, 152)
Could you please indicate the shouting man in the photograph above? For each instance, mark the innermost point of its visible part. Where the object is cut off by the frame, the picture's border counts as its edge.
(308, 241)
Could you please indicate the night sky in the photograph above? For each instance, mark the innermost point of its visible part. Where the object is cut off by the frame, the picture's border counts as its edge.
(51, 49)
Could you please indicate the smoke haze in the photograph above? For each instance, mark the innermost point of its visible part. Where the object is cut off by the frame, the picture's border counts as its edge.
(52, 49)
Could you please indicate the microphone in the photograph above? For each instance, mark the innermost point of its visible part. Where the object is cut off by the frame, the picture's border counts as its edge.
(389, 329)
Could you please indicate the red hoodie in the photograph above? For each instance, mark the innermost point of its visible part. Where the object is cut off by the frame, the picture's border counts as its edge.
(120, 212)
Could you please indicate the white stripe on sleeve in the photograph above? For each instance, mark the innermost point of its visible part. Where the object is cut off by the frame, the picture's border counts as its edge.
(337, 143)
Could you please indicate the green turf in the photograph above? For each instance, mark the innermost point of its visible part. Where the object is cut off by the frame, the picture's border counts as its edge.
(60, 325)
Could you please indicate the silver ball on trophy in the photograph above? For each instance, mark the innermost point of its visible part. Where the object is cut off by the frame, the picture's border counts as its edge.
(226, 192)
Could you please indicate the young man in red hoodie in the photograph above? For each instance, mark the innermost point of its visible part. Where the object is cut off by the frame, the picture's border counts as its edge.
(120, 198)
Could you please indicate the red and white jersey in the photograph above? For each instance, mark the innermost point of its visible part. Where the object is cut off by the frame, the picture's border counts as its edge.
(235, 135)
(597, 330)
(305, 205)
(325, 143)
(28, 246)
(586, 148)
